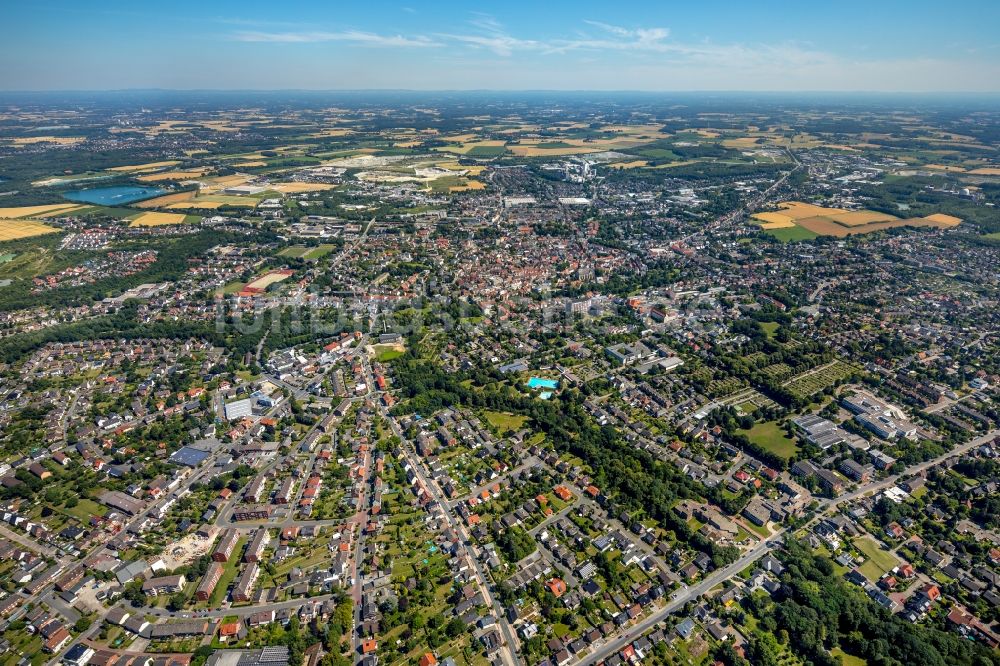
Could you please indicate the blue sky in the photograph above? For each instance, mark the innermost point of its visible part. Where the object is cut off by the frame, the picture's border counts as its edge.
(876, 45)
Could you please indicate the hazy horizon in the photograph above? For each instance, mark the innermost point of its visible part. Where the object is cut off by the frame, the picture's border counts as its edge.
(912, 47)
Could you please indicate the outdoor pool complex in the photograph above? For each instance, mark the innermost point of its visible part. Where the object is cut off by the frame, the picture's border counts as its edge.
(538, 382)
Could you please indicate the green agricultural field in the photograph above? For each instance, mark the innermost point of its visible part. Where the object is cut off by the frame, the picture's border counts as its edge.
(792, 234)
(659, 154)
(772, 437)
(486, 151)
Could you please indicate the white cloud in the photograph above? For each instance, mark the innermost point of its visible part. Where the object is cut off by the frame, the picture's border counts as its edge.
(352, 36)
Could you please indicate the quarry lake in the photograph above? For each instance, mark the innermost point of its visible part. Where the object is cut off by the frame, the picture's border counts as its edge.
(113, 196)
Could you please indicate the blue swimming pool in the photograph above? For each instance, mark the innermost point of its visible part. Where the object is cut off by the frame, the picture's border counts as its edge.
(538, 382)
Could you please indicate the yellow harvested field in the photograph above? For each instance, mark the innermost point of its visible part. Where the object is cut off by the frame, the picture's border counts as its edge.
(671, 165)
(222, 182)
(166, 199)
(459, 138)
(249, 165)
(172, 175)
(635, 164)
(264, 281)
(473, 170)
(857, 218)
(59, 140)
(200, 203)
(741, 142)
(826, 227)
(331, 132)
(38, 211)
(773, 218)
(465, 147)
(471, 185)
(798, 210)
(296, 188)
(986, 171)
(840, 223)
(211, 202)
(157, 219)
(14, 229)
(946, 167)
(946, 220)
(145, 167)
(535, 151)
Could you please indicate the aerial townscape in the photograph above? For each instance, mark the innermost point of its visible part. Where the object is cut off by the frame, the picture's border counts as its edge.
(496, 378)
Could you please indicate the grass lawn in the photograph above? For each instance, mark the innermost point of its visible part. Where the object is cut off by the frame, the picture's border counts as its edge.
(295, 251)
(384, 353)
(229, 571)
(878, 561)
(769, 327)
(318, 252)
(233, 287)
(848, 659)
(86, 508)
(504, 422)
(772, 437)
(792, 234)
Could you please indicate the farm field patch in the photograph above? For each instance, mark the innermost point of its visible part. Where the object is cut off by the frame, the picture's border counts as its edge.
(171, 175)
(37, 211)
(151, 219)
(58, 140)
(149, 166)
(266, 280)
(14, 229)
(837, 222)
(297, 188)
